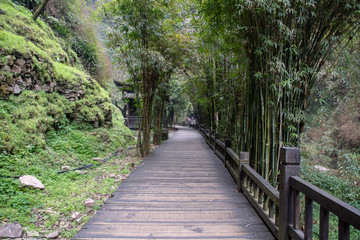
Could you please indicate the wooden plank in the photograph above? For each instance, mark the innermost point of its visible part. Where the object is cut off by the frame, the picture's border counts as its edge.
(181, 191)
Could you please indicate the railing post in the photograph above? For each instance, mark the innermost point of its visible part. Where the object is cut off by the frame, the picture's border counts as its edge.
(217, 136)
(243, 159)
(227, 145)
(289, 166)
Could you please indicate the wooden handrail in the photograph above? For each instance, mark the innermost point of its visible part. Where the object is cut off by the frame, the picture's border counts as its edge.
(280, 210)
(347, 214)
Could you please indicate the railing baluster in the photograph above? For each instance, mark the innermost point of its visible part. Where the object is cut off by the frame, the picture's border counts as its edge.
(344, 230)
(260, 199)
(308, 218)
(265, 203)
(296, 208)
(324, 224)
(271, 208)
(277, 215)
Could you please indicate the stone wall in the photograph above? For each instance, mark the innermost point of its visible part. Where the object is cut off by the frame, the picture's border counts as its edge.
(19, 72)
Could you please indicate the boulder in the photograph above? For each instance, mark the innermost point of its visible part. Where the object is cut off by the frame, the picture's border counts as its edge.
(89, 202)
(31, 181)
(11, 231)
(54, 234)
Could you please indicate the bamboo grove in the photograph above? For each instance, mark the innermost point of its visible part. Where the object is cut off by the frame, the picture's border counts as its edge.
(251, 65)
(260, 61)
(143, 38)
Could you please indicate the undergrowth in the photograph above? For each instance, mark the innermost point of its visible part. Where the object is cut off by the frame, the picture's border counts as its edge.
(345, 190)
(73, 145)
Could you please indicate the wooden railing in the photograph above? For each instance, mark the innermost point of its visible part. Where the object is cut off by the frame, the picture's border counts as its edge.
(280, 210)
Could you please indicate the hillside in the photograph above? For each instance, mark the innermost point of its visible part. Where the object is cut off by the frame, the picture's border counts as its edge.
(54, 116)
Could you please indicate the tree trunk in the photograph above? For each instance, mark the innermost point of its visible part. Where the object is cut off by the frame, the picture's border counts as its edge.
(40, 9)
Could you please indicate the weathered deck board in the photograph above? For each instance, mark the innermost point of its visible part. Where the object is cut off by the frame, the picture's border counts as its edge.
(181, 191)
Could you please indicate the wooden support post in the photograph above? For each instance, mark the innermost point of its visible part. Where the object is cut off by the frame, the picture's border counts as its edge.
(290, 166)
(227, 145)
(243, 159)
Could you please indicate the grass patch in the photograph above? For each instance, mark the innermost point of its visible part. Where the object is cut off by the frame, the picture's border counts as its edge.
(74, 145)
(19, 32)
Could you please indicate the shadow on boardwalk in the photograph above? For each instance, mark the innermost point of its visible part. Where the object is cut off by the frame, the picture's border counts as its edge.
(181, 191)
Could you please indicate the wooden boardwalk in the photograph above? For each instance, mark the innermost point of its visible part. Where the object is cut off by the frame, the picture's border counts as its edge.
(181, 191)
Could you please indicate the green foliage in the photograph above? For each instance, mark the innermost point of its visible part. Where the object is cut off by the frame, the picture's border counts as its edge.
(281, 46)
(73, 21)
(343, 189)
(179, 101)
(144, 39)
(71, 145)
(31, 4)
(87, 51)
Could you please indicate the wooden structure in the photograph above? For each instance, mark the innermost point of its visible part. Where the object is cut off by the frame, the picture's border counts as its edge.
(181, 191)
(130, 112)
(280, 210)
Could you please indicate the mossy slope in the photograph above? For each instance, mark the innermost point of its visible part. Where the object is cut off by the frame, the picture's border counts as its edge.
(53, 87)
(52, 114)
(32, 58)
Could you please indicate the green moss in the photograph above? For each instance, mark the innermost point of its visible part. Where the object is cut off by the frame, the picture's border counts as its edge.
(69, 75)
(18, 31)
(27, 118)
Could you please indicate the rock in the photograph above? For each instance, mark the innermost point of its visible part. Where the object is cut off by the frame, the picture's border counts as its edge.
(88, 210)
(65, 168)
(31, 181)
(11, 231)
(17, 89)
(28, 68)
(76, 216)
(32, 234)
(97, 159)
(20, 62)
(112, 175)
(19, 80)
(10, 60)
(16, 69)
(321, 168)
(89, 202)
(6, 68)
(54, 234)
